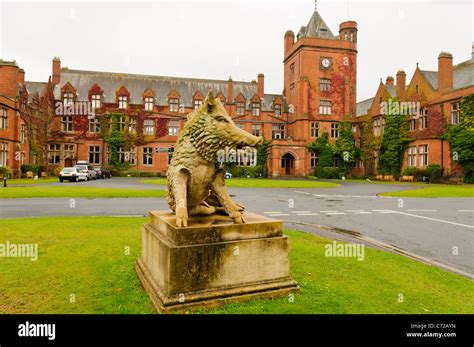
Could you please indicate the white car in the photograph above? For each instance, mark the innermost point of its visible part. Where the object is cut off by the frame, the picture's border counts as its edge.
(88, 169)
(72, 174)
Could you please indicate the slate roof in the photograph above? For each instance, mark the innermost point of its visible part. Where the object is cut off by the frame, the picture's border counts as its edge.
(316, 27)
(35, 87)
(362, 107)
(463, 75)
(391, 89)
(136, 84)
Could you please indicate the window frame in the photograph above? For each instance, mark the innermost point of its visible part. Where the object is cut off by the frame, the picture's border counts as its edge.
(325, 107)
(3, 118)
(256, 108)
(147, 125)
(147, 156)
(93, 152)
(334, 130)
(149, 103)
(314, 129)
(173, 105)
(240, 108)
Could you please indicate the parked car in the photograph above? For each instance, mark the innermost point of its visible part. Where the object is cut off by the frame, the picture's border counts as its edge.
(102, 172)
(72, 174)
(227, 175)
(88, 169)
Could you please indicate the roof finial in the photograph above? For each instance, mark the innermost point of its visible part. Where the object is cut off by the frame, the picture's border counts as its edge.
(315, 5)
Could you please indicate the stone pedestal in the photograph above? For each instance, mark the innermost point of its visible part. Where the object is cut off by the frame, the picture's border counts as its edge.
(213, 261)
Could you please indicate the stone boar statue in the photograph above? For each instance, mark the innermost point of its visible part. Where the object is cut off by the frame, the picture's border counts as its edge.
(196, 183)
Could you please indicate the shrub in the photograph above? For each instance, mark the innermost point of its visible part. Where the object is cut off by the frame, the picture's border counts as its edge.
(410, 171)
(247, 171)
(113, 171)
(5, 171)
(435, 173)
(328, 172)
(30, 167)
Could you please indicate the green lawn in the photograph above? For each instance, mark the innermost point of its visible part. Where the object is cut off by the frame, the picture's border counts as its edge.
(86, 256)
(262, 183)
(438, 191)
(31, 181)
(416, 184)
(76, 192)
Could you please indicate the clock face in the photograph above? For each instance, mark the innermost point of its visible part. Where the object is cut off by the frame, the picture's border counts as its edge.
(326, 63)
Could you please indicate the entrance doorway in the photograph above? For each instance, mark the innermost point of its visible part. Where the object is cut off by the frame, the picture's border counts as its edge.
(288, 164)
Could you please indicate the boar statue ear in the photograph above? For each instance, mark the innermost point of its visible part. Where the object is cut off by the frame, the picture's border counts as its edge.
(210, 102)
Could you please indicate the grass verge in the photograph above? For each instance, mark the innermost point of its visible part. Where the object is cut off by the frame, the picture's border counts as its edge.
(15, 181)
(464, 191)
(93, 257)
(76, 192)
(262, 183)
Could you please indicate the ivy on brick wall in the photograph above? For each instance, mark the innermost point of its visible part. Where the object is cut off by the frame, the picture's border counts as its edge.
(461, 138)
(395, 141)
(369, 145)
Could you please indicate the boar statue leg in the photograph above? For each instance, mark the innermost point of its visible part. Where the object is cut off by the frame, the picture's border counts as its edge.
(203, 209)
(179, 190)
(213, 201)
(219, 189)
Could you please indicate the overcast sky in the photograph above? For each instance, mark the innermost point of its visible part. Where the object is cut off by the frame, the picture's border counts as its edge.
(218, 39)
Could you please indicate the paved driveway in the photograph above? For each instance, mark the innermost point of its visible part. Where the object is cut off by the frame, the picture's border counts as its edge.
(437, 229)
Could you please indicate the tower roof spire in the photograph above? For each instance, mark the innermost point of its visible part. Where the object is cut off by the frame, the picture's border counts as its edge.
(315, 5)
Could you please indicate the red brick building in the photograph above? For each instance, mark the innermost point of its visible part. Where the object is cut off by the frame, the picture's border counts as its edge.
(438, 94)
(320, 72)
(14, 149)
(319, 92)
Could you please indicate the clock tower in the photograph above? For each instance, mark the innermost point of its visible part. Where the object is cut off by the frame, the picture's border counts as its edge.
(319, 79)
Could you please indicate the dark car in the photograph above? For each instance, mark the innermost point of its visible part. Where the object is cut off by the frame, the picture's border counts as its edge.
(102, 172)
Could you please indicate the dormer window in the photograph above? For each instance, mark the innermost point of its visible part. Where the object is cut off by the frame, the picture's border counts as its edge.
(68, 99)
(240, 108)
(197, 104)
(95, 101)
(122, 101)
(149, 103)
(174, 105)
(255, 109)
(277, 109)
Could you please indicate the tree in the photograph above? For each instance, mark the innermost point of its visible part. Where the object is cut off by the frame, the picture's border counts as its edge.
(262, 157)
(394, 143)
(324, 150)
(461, 138)
(345, 148)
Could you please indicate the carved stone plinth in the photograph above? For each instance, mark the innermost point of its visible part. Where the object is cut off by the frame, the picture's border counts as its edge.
(213, 261)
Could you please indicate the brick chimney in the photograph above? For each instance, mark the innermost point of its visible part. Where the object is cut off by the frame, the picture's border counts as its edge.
(21, 76)
(445, 71)
(230, 90)
(261, 84)
(389, 81)
(56, 70)
(401, 84)
(289, 40)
